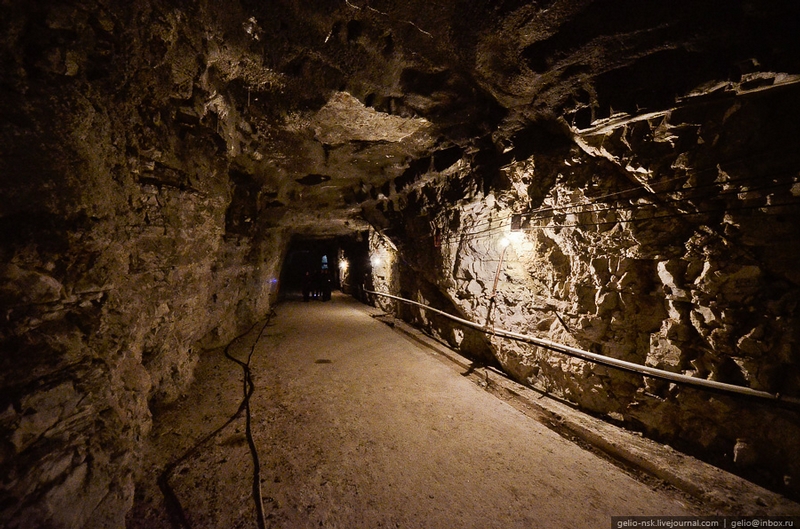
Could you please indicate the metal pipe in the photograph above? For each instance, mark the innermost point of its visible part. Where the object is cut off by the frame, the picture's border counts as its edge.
(607, 360)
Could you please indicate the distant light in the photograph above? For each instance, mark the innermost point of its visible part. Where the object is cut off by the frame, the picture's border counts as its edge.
(274, 281)
(343, 265)
(376, 261)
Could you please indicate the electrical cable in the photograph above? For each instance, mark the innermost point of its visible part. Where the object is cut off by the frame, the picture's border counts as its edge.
(502, 228)
(670, 201)
(175, 510)
(459, 237)
(248, 388)
(728, 163)
(637, 189)
(640, 189)
(668, 216)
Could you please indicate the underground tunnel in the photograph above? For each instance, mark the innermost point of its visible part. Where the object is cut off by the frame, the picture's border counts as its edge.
(594, 201)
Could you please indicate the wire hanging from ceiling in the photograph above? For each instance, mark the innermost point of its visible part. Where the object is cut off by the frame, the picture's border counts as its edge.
(490, 226)
(503, 228)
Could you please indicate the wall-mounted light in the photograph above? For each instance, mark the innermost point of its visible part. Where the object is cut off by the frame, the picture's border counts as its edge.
(376, 261)
(343, 264)
(513, 238)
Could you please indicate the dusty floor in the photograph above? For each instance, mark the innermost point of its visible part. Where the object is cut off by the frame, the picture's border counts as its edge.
(358, 426)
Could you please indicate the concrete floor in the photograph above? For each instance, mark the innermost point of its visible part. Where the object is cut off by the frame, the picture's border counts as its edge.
(357, 425)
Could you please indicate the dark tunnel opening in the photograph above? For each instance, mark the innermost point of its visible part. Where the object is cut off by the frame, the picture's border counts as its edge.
(314, 266)
(309, 260)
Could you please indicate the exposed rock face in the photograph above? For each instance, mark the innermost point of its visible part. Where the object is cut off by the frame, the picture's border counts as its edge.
(651, 259)
(659, 217)
(126, 249)
(157, 157)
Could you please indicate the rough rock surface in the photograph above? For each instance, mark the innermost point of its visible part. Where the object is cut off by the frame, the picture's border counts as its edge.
(157, 157)
(126, 249)
(680, 261)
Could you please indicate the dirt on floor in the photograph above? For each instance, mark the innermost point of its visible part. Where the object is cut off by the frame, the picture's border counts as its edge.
(356, 425)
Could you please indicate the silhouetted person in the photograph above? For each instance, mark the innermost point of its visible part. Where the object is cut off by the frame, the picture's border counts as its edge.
(306, 286)
(326, 285)
(316, 285)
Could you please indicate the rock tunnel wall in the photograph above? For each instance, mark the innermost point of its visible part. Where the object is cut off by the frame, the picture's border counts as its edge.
(153, 153)
(668, 240)
(127, 248)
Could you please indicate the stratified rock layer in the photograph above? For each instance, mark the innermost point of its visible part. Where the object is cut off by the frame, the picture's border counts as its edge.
(126, 249)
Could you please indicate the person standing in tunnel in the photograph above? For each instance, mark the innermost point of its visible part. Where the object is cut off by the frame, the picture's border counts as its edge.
(306, 285)
(316, 285)
(325, 284)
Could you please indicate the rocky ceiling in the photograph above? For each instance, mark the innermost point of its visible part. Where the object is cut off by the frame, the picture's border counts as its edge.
(319, 106)
(383, 88)
(378, 89)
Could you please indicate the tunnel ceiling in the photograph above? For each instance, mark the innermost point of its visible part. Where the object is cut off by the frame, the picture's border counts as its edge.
(319, 107)
(385, 85)
(377, 90)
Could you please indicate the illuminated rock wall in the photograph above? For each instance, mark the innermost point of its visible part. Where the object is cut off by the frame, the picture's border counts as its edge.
(669, 241)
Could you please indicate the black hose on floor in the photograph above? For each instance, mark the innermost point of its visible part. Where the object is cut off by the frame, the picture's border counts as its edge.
(248, 387)
(175, 510)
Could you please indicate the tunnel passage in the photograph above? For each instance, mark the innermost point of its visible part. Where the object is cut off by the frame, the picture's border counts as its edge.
(342, 263)
(167, 170)
(307, 261)
(359, 426)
